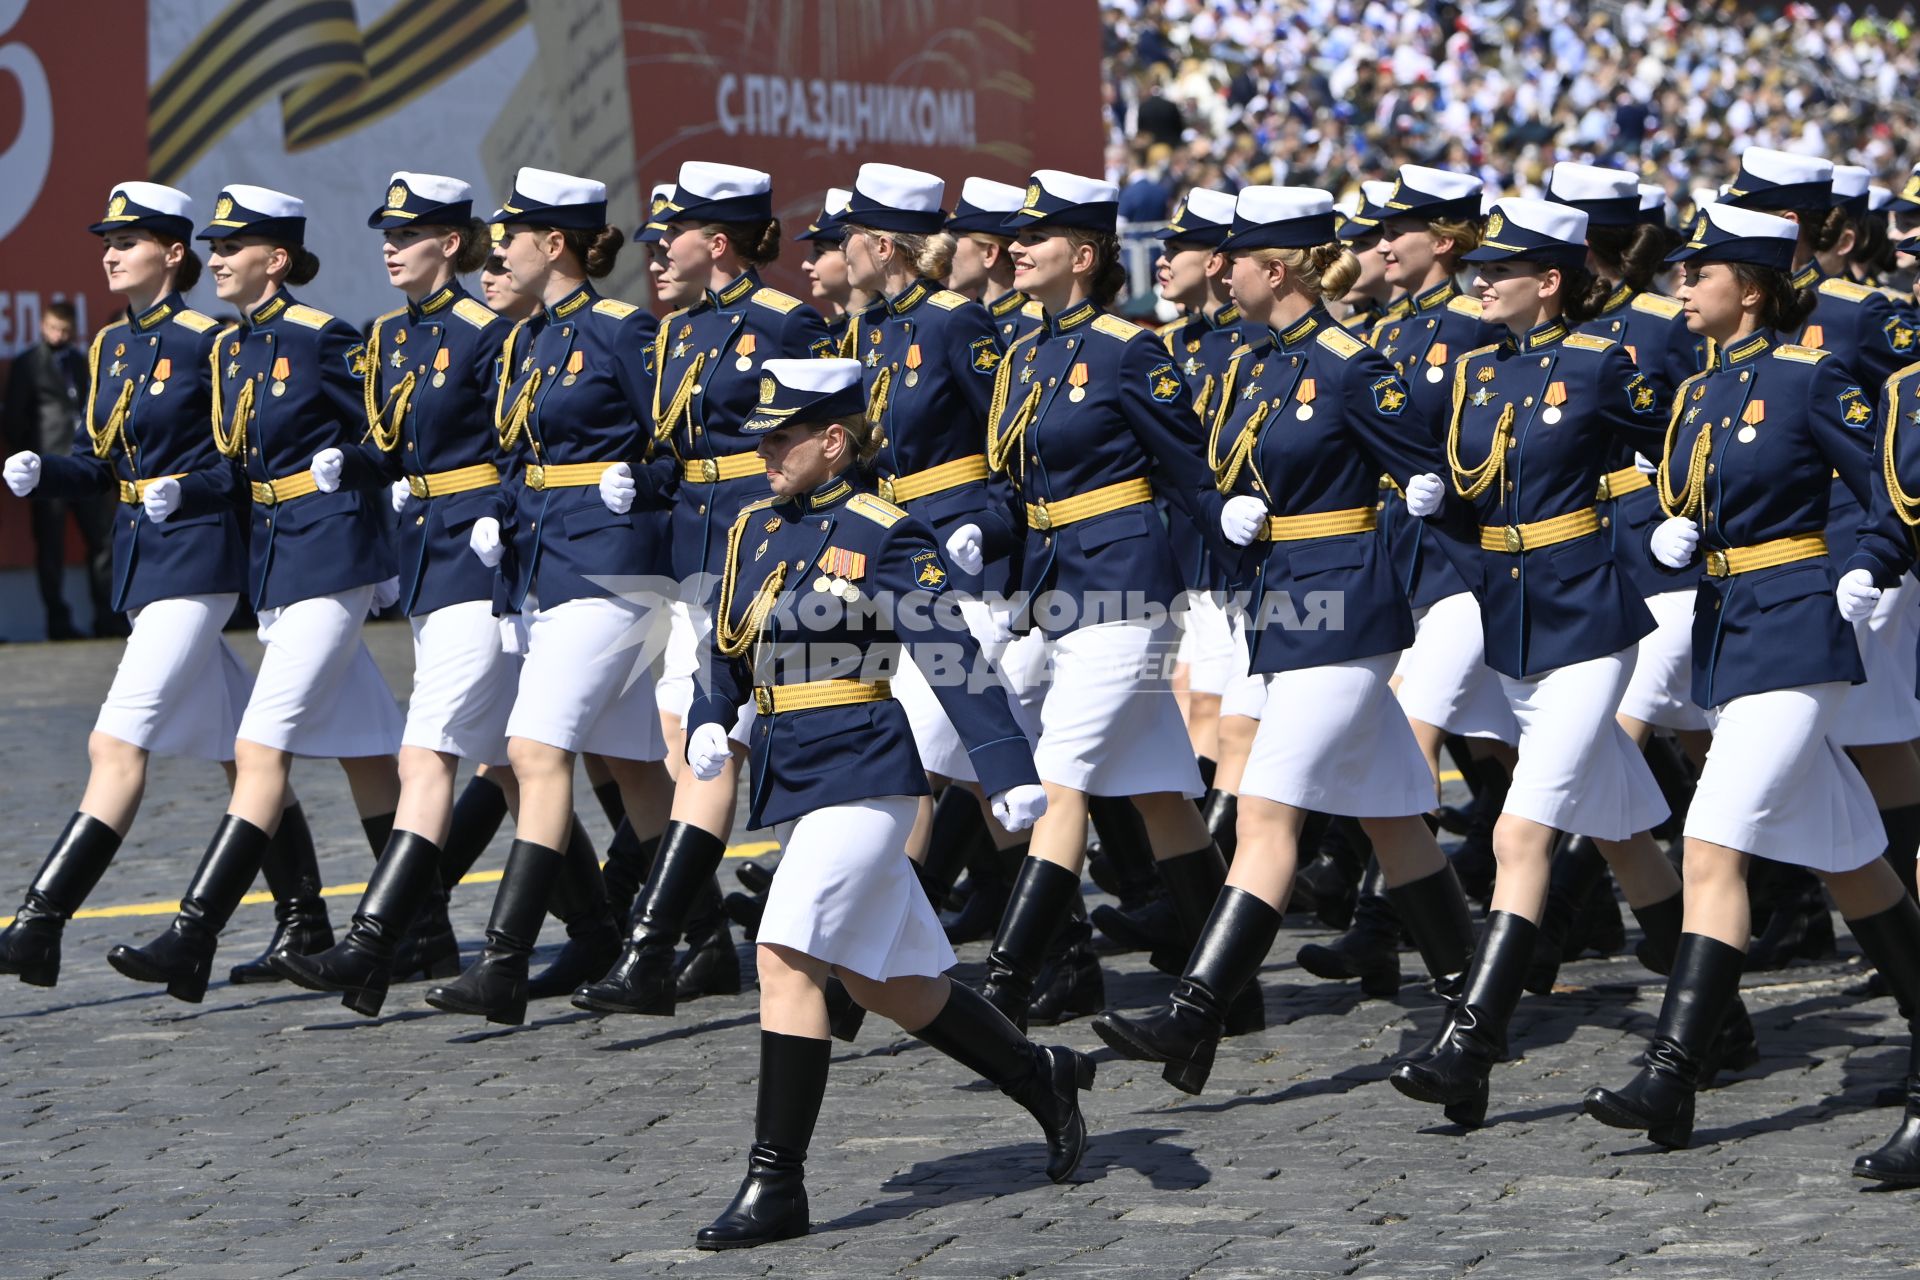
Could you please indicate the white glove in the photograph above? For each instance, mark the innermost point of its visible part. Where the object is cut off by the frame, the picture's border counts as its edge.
(1647, 466)
(326, 468)
(397, 495)
(964, 549)
(708, 751)
(1242, 518)
(1856, 595)
(385, 594)
(162, 499)
(484, 541)
(23, 473)
(1675, 541)
(1424, 494)
(1018, 808)
(617, 488)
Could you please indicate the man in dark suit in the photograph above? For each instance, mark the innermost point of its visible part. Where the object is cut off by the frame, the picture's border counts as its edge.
(45, 392)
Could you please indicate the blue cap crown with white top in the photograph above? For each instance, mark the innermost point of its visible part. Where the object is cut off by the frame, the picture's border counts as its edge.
(806, 391)
(984, 205)
(1770, 179)
(831, 226)
(1542, 231)
(1908, 198)
(659, 205)
(708, 192)
(1204, 218)
(543, 198)
(1725, 232)
(1055, 198)
(147, 204)
(1281, 218)
(242, 210)
(423, 200)
(1653, 204)
(1433, 194)
(1609, 197)
(887, 197)
(1850, 183)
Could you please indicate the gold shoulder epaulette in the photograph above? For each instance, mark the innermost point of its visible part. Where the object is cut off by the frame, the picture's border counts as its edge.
(775, 300)
(1464, 306)
(1115, 327)
(947, 300)
(614, 307)
(1802, 355)
(881, 512)
(312, 317)
(1340, 342)
(476, 313)
(760, 504)
(1656, 304)
(1033, 310)
(196, 322)
(1846, 289)
(1242, 350)
(1589, 342)
(1169, 335)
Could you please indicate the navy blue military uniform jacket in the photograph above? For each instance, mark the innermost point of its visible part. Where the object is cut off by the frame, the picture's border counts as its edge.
(831, 586)
(1088, 402)
(1534, 423)
(1201, 345)
(1423, 336)
(708, 358)
(579, 393)
(1309, 418)
(1762, 431)
(289, 386)
(148, 394)
(1886, 543)
(432, 376)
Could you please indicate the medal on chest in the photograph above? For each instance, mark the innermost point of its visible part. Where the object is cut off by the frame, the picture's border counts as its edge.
(1555, 397)
(839, 570)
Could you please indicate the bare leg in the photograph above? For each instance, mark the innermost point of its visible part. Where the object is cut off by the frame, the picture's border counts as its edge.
(709, 805)
(1060, 836)
(1269, 850)
(375, 783)
(1174, 824)
(1716, 889)
(1406, 848)
(260, 784)
(793, 1000)
(646, 790)
(1643, 871)
(1523, 848)
(1866, 891)
(545, 774)
(116, 783)
(1236, 743)
(1431, 738)
(912, 1002)
(426, 793)
(1892, 772)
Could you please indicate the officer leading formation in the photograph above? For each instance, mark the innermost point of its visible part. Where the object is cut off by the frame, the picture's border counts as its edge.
(952, 565)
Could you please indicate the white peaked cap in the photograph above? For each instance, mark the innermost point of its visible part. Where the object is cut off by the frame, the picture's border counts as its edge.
(1376, 192)
(838, 198)
(1572, 181)
(1444, 184)
(1878, 198)
(1281, 204)
(160, 199)
(1075, 189)
(1214, 206)
(552, 188)
(712, 181)
(1547, 218)
(813, 375)
(1785, 168)
(434, 186)
(1751, 224)
(1850, 180)
(898, 188)
(994, 197)
(266, 201)
(1652, 197)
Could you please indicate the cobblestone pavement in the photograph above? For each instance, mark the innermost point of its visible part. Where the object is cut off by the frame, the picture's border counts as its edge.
(270, 1133)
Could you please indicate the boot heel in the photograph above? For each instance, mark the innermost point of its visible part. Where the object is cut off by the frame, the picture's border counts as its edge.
(1083, 1070)
(40, 975)
(1470, 1112)
(1187, 1077)
(366, 1001)
(191, 988)
(445, 966)
(1677, 1133)
(1381, 984)
(511, 1014)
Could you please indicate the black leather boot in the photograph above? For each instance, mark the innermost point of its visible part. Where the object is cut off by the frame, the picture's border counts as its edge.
(1706, 976)
(182, 957)
(710, 966)
(1332, 863)
(1184, 1035)
(957, 828)
(1452, 1071)
(1070, 984)
(629, 859)
(745, 910)
(845, 1016)
(1220, 810)
(299, 912)
(990, 877)
(30, 946)
(1435, 911)
(477, 816)
(1791, 919)
(1674, 774)
(494, 987)
(1143, 919)
(1902, 826)
(361, 966)
(1578, 866)
(772, 1201)
(1045, 1080)
(1735, 1047)
(579, 898)
(754, 878)
(1035, 910)
(642, 979)
(612, 803)
(1370, 948)
(1891, 939)
(1473, 859)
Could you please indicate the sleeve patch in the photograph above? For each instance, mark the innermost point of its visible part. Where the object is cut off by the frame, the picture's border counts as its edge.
(357, 359)
(823, 349)
(1389, 394)
(1900, 335)
(928, 573)
(984, 355)
(1164, 384)
(1640, 394)
(1855, 410)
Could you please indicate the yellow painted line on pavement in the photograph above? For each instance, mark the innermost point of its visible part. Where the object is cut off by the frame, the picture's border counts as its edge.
(752, 849)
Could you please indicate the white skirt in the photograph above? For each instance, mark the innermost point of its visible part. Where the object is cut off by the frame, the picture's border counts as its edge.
(688, 629)
(1578, 770)
(1444, 677)
(1245, 697)
(1661, 690)
(319, 692)
(934, 737)
(586, 683)
(846, 892)
(180, 688)
(1109, 724)
(463, 684)
(1777, 786)
(1212, 653)
(1337, 742)
(1884, 709)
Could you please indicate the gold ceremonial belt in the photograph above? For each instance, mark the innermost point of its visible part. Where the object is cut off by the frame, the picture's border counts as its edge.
(948, 475)
(131, 491)
(729, 466)
(1765, 555)
(438, 484)
(565, 475)
(772, 699)
(284, 489)
(1618, 484)
(1084, 506)
(1515, 538)
(1321, 524)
